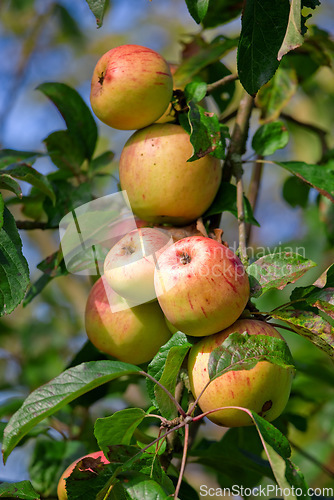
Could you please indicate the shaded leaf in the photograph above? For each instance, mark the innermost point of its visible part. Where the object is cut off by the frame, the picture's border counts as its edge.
(274, 96)
(14, 270)
(270, 137)
(276, 271)
(2, 208)
(22, 490)
(206, 56)
(264, 23)
(320, 177)
(101, 161)
(68, 25)
(78, 117)
(197, 9)
(118, 428)
(226, 201)
(223, 95)
(244, 351)
(7, 182)
(64, 151)
(45, 462)
(10, 157)
(98, 7)
(25, 172)
(220, 12)
(309, 325)
(296, 192)
(52, 396)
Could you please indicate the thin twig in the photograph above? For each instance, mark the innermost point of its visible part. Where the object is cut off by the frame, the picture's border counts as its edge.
(170, 395)
(241, 221)
(184, 460)
(253, 191)
(29, 225)
(223, 81)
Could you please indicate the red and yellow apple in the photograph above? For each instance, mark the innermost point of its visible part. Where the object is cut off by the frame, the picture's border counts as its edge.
(61, 489)
(130, 334)
(201, 285)
(131, 87)
(264, 389)
(162, 187)
(129, 265)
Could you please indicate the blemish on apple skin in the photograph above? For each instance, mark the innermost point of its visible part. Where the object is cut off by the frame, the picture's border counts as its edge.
(266, 407)
(190, 303)
(204, 312)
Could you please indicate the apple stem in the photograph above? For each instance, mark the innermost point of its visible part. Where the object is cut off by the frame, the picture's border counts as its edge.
(170, 395)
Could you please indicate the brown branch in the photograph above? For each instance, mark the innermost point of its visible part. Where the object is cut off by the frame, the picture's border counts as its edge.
(28, 225)
(184, 460)
(220, 83)
(253, 191)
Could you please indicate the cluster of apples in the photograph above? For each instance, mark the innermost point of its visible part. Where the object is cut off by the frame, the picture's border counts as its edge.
(153, 286)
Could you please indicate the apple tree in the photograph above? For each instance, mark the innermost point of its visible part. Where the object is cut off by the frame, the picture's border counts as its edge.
(252, 97)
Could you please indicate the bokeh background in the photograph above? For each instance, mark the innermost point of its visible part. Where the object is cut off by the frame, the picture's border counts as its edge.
(44, 40)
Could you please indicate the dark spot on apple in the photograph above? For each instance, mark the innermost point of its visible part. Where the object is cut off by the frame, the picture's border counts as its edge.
(101, 78)
(266, 407)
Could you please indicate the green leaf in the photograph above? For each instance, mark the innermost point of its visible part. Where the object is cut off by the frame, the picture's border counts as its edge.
(293, 36)
(207, 135)
(2, 208)
(197, 9)
(270, 137)
(7, 182)
(220, 12)
(88, 478)
(264, 23)
(244, 351)
(68, 25)
(52, 267)
(101, 161)
(140, 487)
(320, 177)
(295, 192)
(309, 325)
(118, 428)
(222, 95)
(98, 7)
(49, 398)
(277, 449)
(14, 270)
(22, 490)
(78, 118)
(10, 157)
(64, 150)
(45, 463)
(275, 95)
(206, 56)
(226, 201)
(180, 344)
(276, 271)
(236, 456)
(17, 164)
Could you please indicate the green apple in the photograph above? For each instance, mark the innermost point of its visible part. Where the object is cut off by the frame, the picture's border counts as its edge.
(264, 389)
(130, 334)
(162, 187)
(131, 87)
(201, 285)
(129, 265)
(61, 489)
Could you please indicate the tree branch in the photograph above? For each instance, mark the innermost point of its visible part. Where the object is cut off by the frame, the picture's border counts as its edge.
(220, 83)
(253, 191)
(321, 133)
(28, 225)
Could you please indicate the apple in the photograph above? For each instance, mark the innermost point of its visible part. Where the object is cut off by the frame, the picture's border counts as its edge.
(201, 285)
(161, 186)
(169, 114)
(131, 87)
(264, 389)
(130, 334)
(129, 265)
(61, 489)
